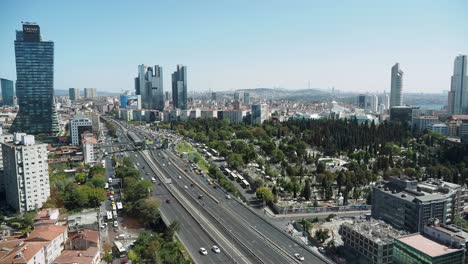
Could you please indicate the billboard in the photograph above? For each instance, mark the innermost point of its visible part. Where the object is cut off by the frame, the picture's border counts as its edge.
(130, 101)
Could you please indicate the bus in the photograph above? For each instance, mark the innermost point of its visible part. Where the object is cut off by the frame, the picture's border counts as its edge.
(119, 206)
(233, 176)
(228, 171)
(109, 215)
(114, 213)
(245, 184)
(240, 178)
(114, 208)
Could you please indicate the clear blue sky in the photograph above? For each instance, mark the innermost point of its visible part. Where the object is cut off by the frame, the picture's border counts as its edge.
(350, 45)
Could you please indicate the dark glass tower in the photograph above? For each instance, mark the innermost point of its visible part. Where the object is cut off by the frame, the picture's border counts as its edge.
(179, 88)
(35, 82)
(8, 92)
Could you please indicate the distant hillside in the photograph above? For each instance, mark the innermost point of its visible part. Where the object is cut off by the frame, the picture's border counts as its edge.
(312, 94)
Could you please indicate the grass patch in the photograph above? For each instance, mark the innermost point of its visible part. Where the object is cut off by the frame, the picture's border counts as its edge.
(192, 154)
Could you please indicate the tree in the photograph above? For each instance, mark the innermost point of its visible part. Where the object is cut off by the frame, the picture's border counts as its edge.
(235, 161)
(320, 167)
(321, 235)
(170, 231)
(147, 211)
(306, 192)
(81, 177)
(265, 194)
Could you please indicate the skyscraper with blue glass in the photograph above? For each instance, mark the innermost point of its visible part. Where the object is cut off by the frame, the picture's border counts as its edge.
(35, 82)
(179, 88)
(8, 92)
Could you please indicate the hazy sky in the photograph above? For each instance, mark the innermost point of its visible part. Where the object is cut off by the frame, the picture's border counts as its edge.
(350, 45)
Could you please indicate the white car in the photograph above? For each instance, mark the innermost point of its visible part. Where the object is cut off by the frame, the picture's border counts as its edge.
(179, 177)
(185, 187)
(203, 251)
(215, 249)
(299, 257)
(228, 196)
(116, 224)
(321, 250)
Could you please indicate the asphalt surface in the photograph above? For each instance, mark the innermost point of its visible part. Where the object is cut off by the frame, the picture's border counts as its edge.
(193, 233)
(231, 220)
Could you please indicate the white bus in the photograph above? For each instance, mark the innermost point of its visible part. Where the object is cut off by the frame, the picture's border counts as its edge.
(233, 176)
(240, 178)
(228, 171)
(119, 206)
(245, 184)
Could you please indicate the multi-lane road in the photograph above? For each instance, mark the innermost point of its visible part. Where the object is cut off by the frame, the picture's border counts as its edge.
(242, 234)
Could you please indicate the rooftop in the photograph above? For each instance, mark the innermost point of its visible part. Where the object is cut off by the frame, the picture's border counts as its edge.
(47, 233)
(374, 230)
(426, 246)
(77, 256)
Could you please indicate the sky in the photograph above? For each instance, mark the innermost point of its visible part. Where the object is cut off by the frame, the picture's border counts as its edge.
(227, 45)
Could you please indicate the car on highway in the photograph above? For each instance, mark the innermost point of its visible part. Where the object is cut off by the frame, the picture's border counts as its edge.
(299, 257)
(168, 201)
(153, 179)
(179, 177)
(322, 250)
(147, 173)
(216, 249)
(185, 187)
(200, 196)
(228, 196)
(203, 251)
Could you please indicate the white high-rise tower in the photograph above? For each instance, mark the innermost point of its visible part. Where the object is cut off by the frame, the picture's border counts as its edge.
(396, 92)
(458, 95)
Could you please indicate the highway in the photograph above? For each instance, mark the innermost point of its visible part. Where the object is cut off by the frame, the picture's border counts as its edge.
(229, 218)
(191, 233)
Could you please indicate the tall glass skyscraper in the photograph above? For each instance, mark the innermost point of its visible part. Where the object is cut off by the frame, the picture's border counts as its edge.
(179, 88)
(35, 82)
(396, 92)
(458, 96)
(8, 92)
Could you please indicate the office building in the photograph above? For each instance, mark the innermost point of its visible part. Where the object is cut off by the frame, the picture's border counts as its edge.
(247, 99)
(8, 92)
(3, 139)
(237, 105)
(90, 93)
(26, 173)
(386, 101)
(213, 96)
(149, 84)
(74, 93)
(167, 97)
(361, 101)
(259, 113)
(207, 114)
(424, 122)
(179, 88)
(416, 248)
(233, 116)
(409, 205)
(373, 103)
(35, 82)
(79, 125)
(440, 128)
(396, 91)
(458, 96)
(371, 239)
(402, 114)
(88, 142)
(236, 96)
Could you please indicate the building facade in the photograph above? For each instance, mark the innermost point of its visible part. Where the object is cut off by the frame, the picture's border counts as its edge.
(90, 93)
(259, 113)
(74, 93)
(179, 88)
(26, 173)
(458, 96)
(373, 240)
(149, 84)
(79, 125)
(3, 139)
(416, 248)
(424, 122)
(409, 205)
(396, 91)
(8, 92)
(35, 83)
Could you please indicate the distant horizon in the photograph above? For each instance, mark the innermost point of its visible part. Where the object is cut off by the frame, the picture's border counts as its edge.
(244, 44)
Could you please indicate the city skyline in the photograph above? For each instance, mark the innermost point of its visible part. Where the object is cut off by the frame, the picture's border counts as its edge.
(347, 46)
